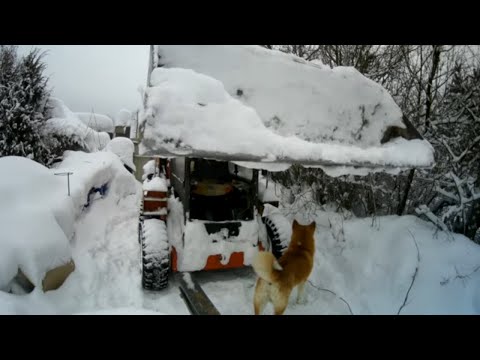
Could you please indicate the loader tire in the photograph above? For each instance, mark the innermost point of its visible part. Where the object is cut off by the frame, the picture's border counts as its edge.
(155, 255)
(277, 235)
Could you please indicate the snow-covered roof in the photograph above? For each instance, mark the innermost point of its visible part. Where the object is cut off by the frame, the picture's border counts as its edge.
(247, 103)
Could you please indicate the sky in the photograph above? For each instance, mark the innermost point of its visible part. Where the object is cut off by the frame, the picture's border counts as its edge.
(99, 78)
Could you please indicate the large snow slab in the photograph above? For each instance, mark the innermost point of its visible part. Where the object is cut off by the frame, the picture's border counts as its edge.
(252, 104)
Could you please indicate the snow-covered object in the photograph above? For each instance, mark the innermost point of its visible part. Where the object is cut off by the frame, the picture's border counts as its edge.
(192, 254)
(37, 216)
(93, 170)
(199, 245)
(246, 103)
(64, 122)
(148, 169)
(124, 149)
(97, 122)
(156, 184)
(123, 118)
(36, 220)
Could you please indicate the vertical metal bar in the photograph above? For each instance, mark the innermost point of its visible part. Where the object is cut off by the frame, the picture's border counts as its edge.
(68, 181)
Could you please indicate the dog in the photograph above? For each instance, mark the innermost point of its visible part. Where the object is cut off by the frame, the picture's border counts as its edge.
(277, 279)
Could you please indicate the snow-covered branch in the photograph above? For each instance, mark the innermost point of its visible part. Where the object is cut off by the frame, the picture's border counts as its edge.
(424, 210)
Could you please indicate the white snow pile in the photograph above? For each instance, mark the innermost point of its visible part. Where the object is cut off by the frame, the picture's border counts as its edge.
(64, 122)
(123, 118)
(41, 226)
(124, 149)
(374, 267)
(37, 216)
(156, 184)
(93, 170)
(97, 122)
(249, 103)
(148, 169)
(36, 220)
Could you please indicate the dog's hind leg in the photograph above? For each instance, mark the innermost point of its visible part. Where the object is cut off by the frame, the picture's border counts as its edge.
(280, 301)
(261, 296)
(301, 299)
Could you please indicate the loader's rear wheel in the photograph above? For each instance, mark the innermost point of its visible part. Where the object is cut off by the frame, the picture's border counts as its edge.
(155, 255)
(278, 232)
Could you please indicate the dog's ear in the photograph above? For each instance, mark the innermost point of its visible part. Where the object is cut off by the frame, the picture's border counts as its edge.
(295, 223)
(313, 225)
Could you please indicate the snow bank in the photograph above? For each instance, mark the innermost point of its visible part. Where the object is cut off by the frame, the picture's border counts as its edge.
(373, 268)
(124, 149)
(36, 220)
(64, 122)
(30, 304)
(93, 170)
(97, 122)
(242, 100)
(37, 216)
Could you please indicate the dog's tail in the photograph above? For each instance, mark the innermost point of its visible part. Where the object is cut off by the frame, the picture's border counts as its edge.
(266, 266)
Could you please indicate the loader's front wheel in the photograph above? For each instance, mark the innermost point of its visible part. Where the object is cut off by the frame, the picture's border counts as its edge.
(155, 255)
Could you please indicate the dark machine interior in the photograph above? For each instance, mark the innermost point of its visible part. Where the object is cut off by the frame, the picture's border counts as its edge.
(218, 193)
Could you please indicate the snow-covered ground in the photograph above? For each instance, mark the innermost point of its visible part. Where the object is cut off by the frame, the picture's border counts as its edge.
(362, 266)
(371, 272)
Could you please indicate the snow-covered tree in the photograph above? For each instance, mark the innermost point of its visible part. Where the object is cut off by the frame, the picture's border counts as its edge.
(22, 92)
(23, 111)
(456, 137)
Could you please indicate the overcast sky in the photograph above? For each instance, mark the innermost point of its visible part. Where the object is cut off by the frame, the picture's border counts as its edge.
(100, 78)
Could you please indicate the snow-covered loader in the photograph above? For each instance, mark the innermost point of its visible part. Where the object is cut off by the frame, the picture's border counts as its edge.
(214, 116)
(222, 219)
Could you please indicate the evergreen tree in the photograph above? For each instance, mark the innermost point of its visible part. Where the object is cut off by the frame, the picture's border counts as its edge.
(23, 111)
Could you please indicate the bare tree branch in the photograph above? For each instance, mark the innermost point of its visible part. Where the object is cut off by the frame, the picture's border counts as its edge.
(445, 281)
(414, 274)
(331, 292)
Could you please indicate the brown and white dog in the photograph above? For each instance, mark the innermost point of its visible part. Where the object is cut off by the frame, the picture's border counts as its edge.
(277, 279)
